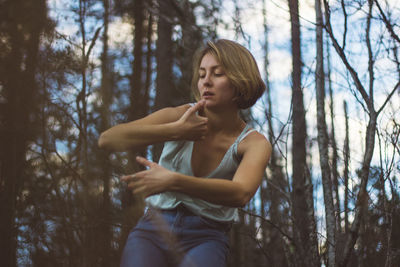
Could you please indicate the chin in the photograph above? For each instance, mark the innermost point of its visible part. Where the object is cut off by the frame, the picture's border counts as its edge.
(208, 104)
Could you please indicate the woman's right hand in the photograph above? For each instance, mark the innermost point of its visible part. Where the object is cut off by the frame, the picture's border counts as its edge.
(191, 125)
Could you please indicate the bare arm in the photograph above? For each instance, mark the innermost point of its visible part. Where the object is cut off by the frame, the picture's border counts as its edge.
(235, 193)
(164, 125)
(244, 184)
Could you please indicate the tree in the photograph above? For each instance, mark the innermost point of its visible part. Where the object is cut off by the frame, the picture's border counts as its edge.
(332, 138)
(106, 92)
(302, 189)
(19, 46)
(165, 85)
(373, 113)
(323, 141)
(273, 190)
(61, 200)
(346, 159)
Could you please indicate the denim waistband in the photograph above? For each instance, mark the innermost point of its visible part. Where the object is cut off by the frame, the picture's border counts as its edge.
(183, 210)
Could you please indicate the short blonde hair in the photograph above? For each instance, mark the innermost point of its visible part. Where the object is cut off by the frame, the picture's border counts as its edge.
(239, 66)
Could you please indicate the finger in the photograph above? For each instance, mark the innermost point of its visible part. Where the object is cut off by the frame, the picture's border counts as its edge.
(134, 184)
(143, 161)
(198, 106)
(137, 188)
(200, 113)
(134, 177)
(203, 118)
(130, 177)
(143, 191)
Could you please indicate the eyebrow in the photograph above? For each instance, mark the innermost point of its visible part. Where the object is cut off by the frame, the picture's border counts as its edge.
(212, 67)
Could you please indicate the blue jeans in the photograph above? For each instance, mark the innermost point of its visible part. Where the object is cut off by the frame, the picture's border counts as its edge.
(176, 238)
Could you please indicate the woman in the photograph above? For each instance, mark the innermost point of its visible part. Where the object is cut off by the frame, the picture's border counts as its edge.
(212, 163)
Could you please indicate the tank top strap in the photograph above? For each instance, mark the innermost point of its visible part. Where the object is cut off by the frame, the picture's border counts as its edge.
(244, 133)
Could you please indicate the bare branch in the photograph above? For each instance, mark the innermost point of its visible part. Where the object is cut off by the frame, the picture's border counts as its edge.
(271, 223)
(93, 42)
(370, 55)
(340, 51)
(344, 24)
(397, 86)
(387, 22)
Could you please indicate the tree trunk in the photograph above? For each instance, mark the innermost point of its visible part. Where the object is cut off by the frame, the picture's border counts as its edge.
(191, 40)
(133, 205)
(275, 182)
(106, 97)
(149, 57)
(346, 160)
(88, 253)
(18, 70)
(335, 157)
(387, 213)
(323, 141)
(362, 196)
(137, 92)
(302, 192)
(165, 95)
(81, 99)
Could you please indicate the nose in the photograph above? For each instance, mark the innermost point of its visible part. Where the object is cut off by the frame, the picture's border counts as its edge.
(207, 80)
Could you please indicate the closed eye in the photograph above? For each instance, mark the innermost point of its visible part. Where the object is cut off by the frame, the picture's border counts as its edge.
(217, 74)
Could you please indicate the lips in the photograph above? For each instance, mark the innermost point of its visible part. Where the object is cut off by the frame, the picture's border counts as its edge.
(207, 93)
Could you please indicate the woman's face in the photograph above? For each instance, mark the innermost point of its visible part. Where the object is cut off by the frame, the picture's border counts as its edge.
(213, 84)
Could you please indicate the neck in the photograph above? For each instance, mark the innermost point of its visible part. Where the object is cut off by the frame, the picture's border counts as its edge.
(225, 120)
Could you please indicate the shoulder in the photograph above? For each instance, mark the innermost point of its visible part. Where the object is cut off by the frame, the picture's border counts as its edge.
(255, 143)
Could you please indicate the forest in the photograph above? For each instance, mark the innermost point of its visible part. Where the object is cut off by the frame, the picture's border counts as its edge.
(69, 70)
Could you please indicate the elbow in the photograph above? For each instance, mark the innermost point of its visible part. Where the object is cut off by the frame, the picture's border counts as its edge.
(103, 141)
(243, 198)
(113, 143)
(244, 201)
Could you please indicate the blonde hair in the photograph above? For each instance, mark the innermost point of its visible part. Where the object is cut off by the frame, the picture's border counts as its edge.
(239, 66)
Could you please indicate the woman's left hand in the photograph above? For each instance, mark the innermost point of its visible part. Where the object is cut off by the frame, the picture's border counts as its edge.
(154, 180)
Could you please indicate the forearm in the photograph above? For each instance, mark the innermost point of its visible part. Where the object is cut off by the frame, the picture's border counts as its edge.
(128, 136)
(217, 191)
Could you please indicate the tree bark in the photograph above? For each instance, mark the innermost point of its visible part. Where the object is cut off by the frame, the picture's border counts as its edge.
(362, 196)
(137, 92)
(106, 97)
(346, 160)
(18, 70)
(275, 182)
(149, 58)
(302, 192)
(191, 40)
(165, 87)
(323, 141)
(81, 98)
(335, 157)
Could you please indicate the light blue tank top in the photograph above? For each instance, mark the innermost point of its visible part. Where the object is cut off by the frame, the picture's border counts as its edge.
(176, 156)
